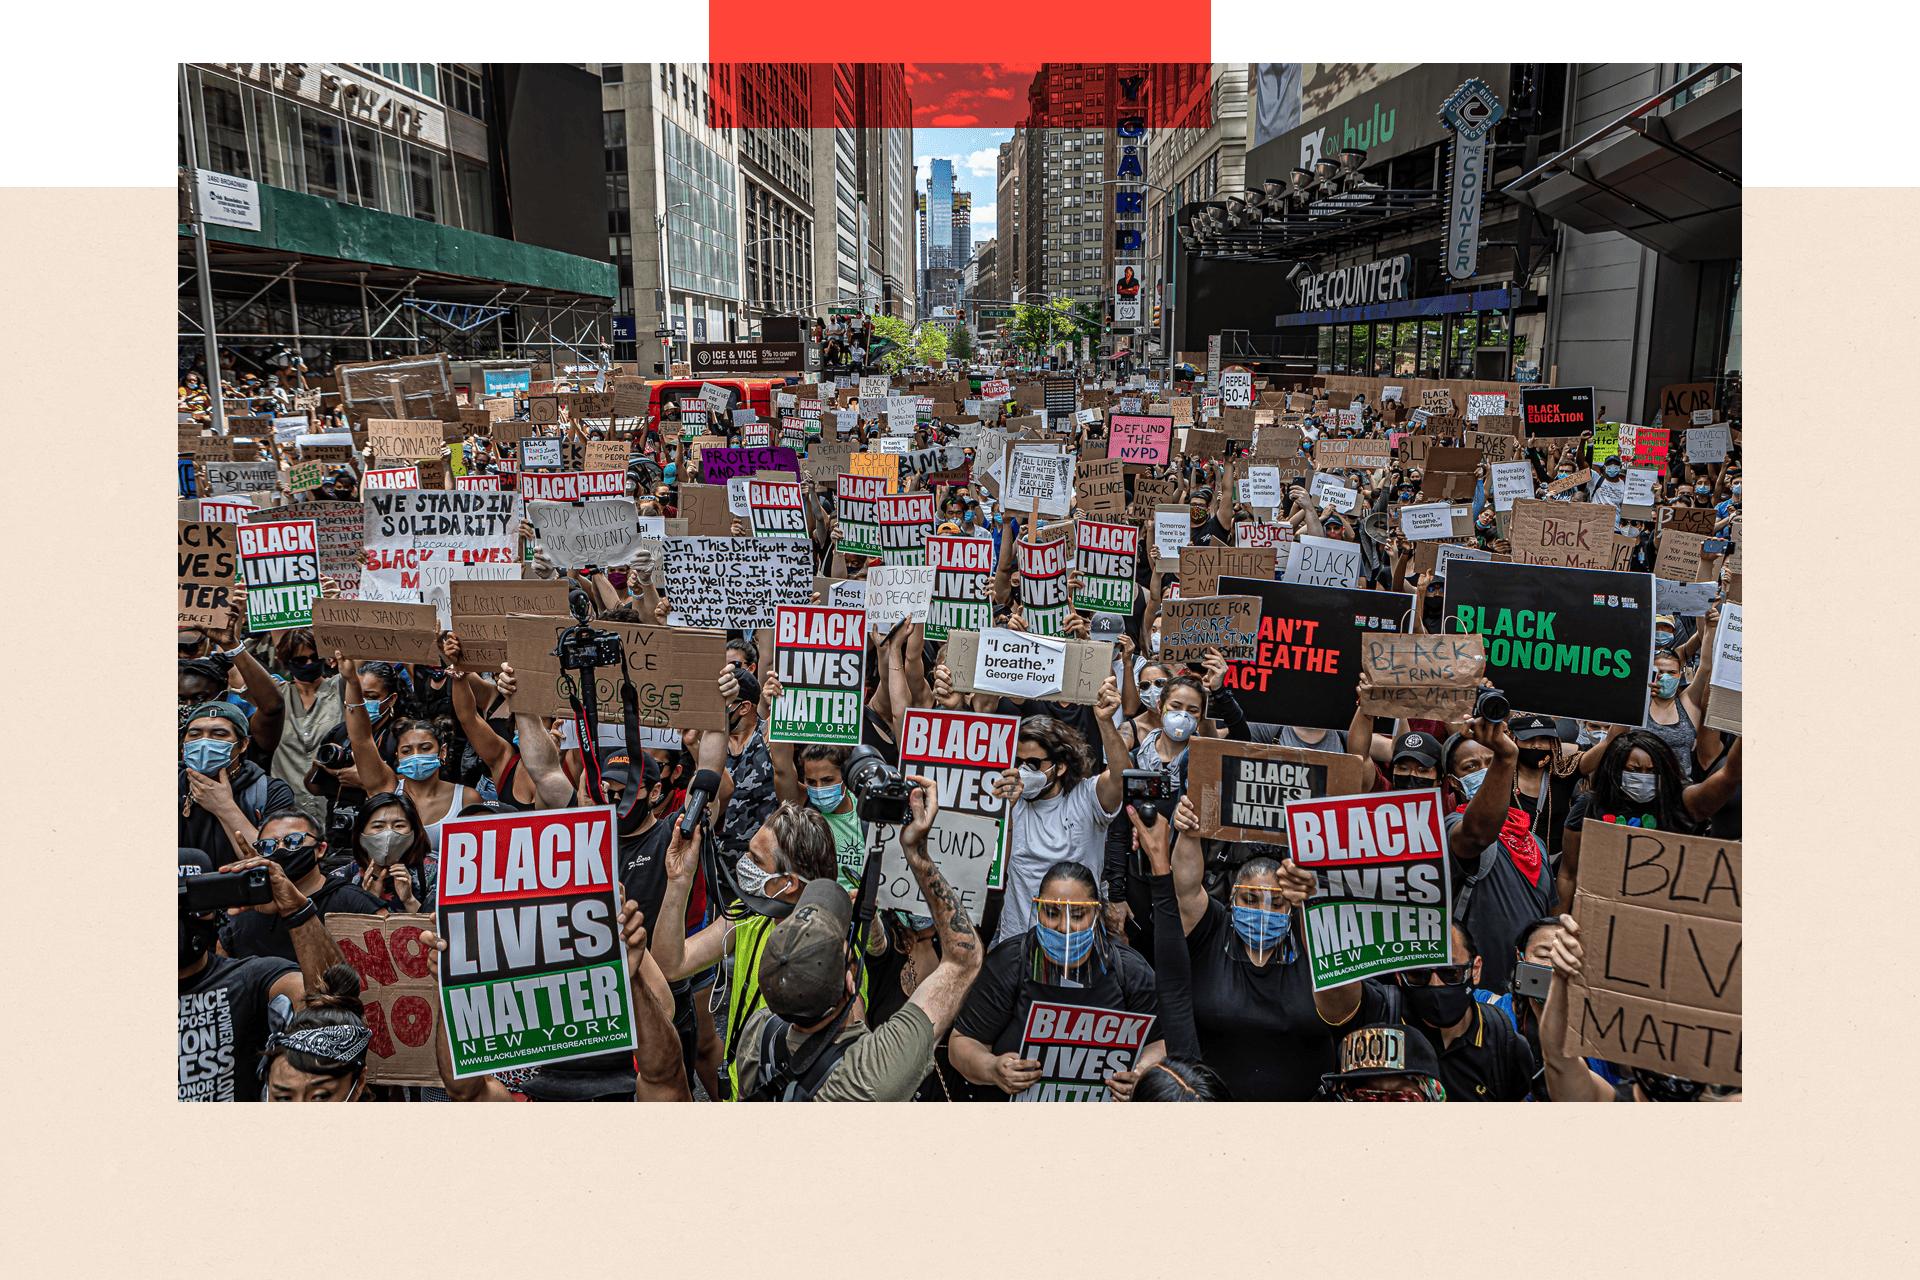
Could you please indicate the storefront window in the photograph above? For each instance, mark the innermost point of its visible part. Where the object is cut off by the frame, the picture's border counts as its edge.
(223, 128)
(1326, 349)
(1340, 348)
(1406, 349)
(1432, 357)
(1463, 335)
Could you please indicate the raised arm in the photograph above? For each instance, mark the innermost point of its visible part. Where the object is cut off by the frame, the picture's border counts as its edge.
(269, 710)
(552, 789)
(1488, 810)
(1187, 865)
(678, 955)
(494, 751)
(1111, 789)
(1569, 1078)
(786, 767)
(940, 993)
(375, 776)
(1707, 797)
(660, 1071)
(1002, 589)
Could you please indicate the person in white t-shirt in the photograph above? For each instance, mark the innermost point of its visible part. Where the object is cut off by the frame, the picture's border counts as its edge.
(1056, 812)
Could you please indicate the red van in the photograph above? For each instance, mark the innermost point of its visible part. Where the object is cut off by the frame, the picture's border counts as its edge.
(753, 393)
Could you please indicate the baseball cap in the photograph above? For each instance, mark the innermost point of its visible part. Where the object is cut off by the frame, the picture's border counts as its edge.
(1417, 745)
(1203, 492)
(802, 972)
(1533, 726)
(1385, 1049)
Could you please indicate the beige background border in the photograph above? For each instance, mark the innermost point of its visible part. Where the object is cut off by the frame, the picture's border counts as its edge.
(104, 1172)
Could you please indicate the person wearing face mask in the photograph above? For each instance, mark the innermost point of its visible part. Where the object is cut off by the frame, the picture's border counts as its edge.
(1056, 811)
(1674, 713)
(421, 750)
(335, 776)
(223, 1002)
(1182, 705)
(1065, 955)
(1149, 684)
(1573, 1079)
(314, 698)
(391, 854)
(223, 796)
(295, 842)
(1639, 783)
(1610, 486)
(815, 774)
(1544, 777)
(319, 1052)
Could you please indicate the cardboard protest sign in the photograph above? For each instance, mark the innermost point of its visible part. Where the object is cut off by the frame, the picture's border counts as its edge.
(1661, 920)
(827, 459)
(1078, 1047)
(1307, 653)
(820, 655)
(1241, 788)
(672, 670)
(404, 438)
(1100, 486)
(377, 631)
(895, 594)
(280, 562)
(735, 582)
(1201, 567)
(961, 753)
(1149, 493)
(207, 566)
(1247, 533)
(1386, 893)
(857, 510)
(1576, 535)
(535, 971)
(1420, 677)
(1104, 556)
(1043, 584)
(884, 466)
(719, 465)
(1681, 400)
(1017, 664)
(1511, 480)
(1709, 444)
(1193, 624)
(1679, 556)
(906, 522)
(963, 573)
(1562, 642)
(479, 610)
(776, 509)
(596, 533)
(1146, 440)
(398, 991)
(543, 409)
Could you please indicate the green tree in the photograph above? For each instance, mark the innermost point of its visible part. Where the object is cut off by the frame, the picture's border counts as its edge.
(962, 344)
(1035, 328)
(912, 344)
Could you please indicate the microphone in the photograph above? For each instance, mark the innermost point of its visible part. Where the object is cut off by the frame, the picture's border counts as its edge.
(705, 783)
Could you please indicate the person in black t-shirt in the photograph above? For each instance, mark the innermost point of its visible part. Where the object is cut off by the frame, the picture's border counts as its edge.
(1211, 519)
(223, 1002)
(292, 839)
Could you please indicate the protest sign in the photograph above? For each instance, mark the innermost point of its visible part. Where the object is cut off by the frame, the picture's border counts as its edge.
(1202, 567)
(1679, 402)
(478, 612)
(1019, 665)
(1566, 484)
(535, 971)
(280, 562)
(1078, 1047)
(856, 507)
(398, 992)
(1241, 788)
(1576, 535)
(961, 845)
(1191, 625)
(1104, 557)
(604, 455)
(1100, 486)
(897, 445)
(543, 409)
(307, 475)
(1146, 440)
(1149, 493)
(404, 438)
(572, 486)
(906, 522)
(775, 510)
(377, 631)
(391, 478)
(542, 452)
(1263, 487)
(704, 507)
(1307, 655)
(1251, 534)
(827, 459)
(597, 533)
(1511, 480)
(961, 753)
(963, 573)
(206, 550)
(1729, 649)
(1679, 556)
(1482, 404)
(1236, 389)
(1039, 479)
(222, 510)
(820, 656)
(719, 465)
(884, 466)
(672, 670)
(1387, 891)
(477, 484)
(1560, 641)
(1428, 520)
(1684, 599)
(1709, 444)
(756, 435)
(1437, 401)
(1650, 446)
(1557, 411)
(1446, 551)
(1322, 562)
(735, 582)
(896, 594)
(1661, 920)
(1420, 677)
(843, 593)
(1172, 530)
(1043, 584)
(241, 477)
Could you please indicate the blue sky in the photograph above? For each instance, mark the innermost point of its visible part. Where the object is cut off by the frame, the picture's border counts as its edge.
(974, 154)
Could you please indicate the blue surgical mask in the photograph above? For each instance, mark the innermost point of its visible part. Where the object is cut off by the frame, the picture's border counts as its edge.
(1178, 725)
(1261, 929)
(917, 923)
(373, 708)
(827, 799)
(418, 768)
(1736, 488)
(207, 755)
(1064, 948)
(1470, 783)
(1665, 686)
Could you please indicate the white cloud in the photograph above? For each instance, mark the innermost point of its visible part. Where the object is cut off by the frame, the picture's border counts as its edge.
(984, 163)
(922, 170)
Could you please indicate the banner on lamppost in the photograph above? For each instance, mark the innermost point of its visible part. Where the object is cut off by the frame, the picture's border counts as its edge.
(1471, 112)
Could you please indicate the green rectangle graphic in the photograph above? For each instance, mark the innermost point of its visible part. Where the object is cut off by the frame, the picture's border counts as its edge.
(538, 1021)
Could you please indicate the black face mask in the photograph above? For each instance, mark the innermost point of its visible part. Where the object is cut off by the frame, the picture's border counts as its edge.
(1535, 759)
(1411, 782)
(1438, 1006)
(307, 672)
(296, 863)
(197, 937)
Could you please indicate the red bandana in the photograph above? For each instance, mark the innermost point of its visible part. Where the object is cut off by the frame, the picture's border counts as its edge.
(1516, 833)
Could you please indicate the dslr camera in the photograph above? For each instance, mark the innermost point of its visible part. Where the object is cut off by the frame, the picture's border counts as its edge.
(218, 890)
(1491, 705)
(582, 647)
(880, 791)
(332, 755)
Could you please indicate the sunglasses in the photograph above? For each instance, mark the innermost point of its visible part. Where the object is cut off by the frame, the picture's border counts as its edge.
(292, 844)
(1032, 762)
(1383, 1095)
(1451, 974)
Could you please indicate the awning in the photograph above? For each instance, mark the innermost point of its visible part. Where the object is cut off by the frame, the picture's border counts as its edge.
(1411, 308)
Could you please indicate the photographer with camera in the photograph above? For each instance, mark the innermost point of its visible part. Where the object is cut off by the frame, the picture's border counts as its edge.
(222, 1018)
(749, 761)
(223, 796)
(293, 841)
(810, 1042)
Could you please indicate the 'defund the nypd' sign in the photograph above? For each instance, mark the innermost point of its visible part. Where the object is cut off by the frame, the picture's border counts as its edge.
(1383, 280)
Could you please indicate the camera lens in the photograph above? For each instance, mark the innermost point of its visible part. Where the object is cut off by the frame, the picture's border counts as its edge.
(1493, 706)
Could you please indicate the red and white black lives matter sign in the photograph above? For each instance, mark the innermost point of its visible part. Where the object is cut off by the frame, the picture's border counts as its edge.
(1385, 898)
(776, 511)
(961, 753)
(906, 523)
(1043, 585)
(1077, 1048)
(572, 486)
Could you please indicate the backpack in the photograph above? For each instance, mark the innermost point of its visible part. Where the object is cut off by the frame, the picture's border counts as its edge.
(780, 1080)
